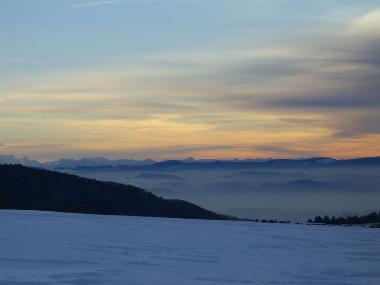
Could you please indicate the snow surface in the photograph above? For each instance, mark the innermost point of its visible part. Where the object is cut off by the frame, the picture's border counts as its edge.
(56, 248)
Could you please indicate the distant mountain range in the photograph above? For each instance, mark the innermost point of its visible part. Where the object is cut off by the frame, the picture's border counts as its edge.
(189, 163)
(25, 188)
(69, 163)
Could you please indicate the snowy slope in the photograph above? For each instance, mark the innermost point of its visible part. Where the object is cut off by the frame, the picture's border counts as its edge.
(56, 248)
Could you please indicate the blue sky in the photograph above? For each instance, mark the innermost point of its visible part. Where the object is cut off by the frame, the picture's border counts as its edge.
(69, 34)
(231, 74)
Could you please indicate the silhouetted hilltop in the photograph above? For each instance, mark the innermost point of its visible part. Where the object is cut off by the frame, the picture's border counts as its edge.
(27, 188)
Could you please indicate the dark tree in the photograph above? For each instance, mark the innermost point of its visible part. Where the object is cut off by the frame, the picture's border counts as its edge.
(371, 218)
(318, 220)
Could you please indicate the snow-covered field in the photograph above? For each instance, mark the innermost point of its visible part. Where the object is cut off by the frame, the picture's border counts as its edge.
(56, 248)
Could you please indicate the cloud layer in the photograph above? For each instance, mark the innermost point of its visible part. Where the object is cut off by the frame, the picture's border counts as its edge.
(310, 95)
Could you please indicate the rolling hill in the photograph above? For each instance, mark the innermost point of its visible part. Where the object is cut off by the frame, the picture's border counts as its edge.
(27, 188)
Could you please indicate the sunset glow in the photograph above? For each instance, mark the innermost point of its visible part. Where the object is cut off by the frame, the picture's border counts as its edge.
(173, 79)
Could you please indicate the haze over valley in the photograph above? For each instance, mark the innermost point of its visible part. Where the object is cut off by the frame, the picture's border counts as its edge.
(292, 190)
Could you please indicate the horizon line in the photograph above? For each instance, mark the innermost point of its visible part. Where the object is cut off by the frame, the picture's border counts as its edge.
(12, 156)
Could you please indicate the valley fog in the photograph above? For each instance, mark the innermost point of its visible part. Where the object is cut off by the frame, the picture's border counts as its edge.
(293, 194)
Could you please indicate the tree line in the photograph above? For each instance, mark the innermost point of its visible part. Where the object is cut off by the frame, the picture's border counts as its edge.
(371, 218)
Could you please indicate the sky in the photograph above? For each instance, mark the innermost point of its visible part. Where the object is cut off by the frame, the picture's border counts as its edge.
(168, 79)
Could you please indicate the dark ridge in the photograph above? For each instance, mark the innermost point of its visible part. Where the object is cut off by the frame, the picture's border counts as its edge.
(25, 188)
(315, 162)
(158, 176)
(364, 161)
(306, 184)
